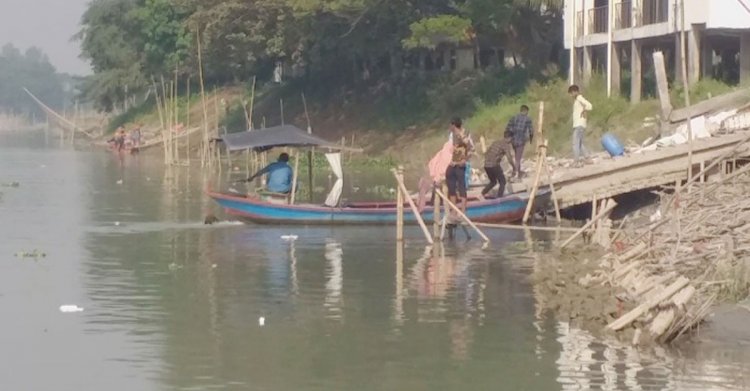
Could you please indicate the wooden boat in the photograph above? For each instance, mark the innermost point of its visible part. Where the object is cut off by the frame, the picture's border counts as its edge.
(266, 209)
(258, 210)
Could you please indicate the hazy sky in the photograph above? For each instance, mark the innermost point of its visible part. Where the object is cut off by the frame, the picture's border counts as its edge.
(48, 24)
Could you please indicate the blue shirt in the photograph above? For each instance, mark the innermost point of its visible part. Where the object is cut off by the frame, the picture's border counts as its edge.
(279, 177)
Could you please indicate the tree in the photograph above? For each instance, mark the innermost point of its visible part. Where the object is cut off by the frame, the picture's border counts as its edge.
(434, 31)
(31, 70)
(129, 41)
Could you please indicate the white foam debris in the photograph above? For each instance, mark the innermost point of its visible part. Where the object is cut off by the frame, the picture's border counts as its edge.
(70, 308)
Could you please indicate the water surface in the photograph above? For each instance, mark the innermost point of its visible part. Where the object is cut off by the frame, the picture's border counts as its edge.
(172, 304)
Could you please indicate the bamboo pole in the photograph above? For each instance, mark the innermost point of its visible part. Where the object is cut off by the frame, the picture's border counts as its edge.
(247, 162)
(663, 295)
(686, 86)
(444, 222)
(294, 179)
(541, 159)
(462, 215)
(252, 103)
(216, 124)
(204, 146)
(531, 227)
(555, 201)
(311, 151)
(281, 104)
(405, 194)
(187, 120)
(400, 210)
(167, 120)
(593, 221)
(158, 102)
(177, 116)
(436, 205)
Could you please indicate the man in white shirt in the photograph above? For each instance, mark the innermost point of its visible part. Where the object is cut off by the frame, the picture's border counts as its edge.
(581, 108)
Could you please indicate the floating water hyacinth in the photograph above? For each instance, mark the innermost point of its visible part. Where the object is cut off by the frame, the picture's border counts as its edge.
(11, 184)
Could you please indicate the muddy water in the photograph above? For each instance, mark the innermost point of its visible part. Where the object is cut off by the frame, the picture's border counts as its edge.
(171, 304)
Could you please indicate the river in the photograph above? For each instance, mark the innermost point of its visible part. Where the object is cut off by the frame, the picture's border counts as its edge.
(172, 304)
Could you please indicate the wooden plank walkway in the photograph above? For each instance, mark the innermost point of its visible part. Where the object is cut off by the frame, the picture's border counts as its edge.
(610, 177)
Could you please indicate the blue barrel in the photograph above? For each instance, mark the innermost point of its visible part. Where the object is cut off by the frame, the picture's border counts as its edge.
(612, 145)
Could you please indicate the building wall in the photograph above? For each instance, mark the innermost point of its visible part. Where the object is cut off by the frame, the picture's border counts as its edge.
(715, 14)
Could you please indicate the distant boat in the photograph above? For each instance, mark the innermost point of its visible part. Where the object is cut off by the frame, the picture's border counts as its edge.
(256, 209)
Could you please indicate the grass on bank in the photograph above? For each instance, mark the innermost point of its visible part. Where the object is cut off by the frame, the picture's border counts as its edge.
(631, 123)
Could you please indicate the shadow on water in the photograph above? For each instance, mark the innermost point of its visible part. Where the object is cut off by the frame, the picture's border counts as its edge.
(171, 304)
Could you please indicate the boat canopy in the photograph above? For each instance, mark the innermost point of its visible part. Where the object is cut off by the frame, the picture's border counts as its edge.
(277, 136)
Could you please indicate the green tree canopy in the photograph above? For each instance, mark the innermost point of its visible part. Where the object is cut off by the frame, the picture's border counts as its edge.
(339, 41)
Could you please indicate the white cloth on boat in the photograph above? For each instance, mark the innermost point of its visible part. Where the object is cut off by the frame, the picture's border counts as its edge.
(334, 159)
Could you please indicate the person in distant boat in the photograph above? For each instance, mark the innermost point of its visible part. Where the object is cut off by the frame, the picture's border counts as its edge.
(521, 128)
(492, 159)
(455, 175)
(135, 139)
(279, 175)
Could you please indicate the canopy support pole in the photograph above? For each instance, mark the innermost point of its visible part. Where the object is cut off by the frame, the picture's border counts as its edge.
(294, 179)
(310, 173)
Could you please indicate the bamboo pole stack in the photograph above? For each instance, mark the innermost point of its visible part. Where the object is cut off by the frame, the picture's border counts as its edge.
(672, 269)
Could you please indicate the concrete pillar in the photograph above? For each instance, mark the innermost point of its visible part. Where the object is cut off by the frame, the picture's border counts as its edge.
(745, 58)
(616, 69)
(574, 59)
(707, 58)
(694, 38)
(587, 64)
(636, 71)
(464, 59)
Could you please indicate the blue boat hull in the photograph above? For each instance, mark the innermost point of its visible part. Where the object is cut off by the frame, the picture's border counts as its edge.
(502, 210)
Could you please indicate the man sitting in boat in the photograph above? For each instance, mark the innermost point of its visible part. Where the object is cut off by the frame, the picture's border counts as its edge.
(279, 175)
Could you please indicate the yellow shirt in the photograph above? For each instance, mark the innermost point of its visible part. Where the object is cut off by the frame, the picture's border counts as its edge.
(579, 106)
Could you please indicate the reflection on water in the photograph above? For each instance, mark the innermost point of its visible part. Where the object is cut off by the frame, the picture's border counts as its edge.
(172, 304)
(335, 276)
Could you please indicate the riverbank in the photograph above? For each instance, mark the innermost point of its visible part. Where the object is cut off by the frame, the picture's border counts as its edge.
(407, 124)
(663, 278)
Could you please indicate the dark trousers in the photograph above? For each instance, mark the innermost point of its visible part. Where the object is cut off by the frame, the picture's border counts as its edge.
(496, 176)
(518, 152)
(455, 178)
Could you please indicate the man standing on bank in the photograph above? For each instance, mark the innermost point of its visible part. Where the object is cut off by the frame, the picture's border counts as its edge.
(581, 108)
(521, 128)
(492, 159)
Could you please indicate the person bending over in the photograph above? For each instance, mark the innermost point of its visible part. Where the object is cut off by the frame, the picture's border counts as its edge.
(492, 159)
